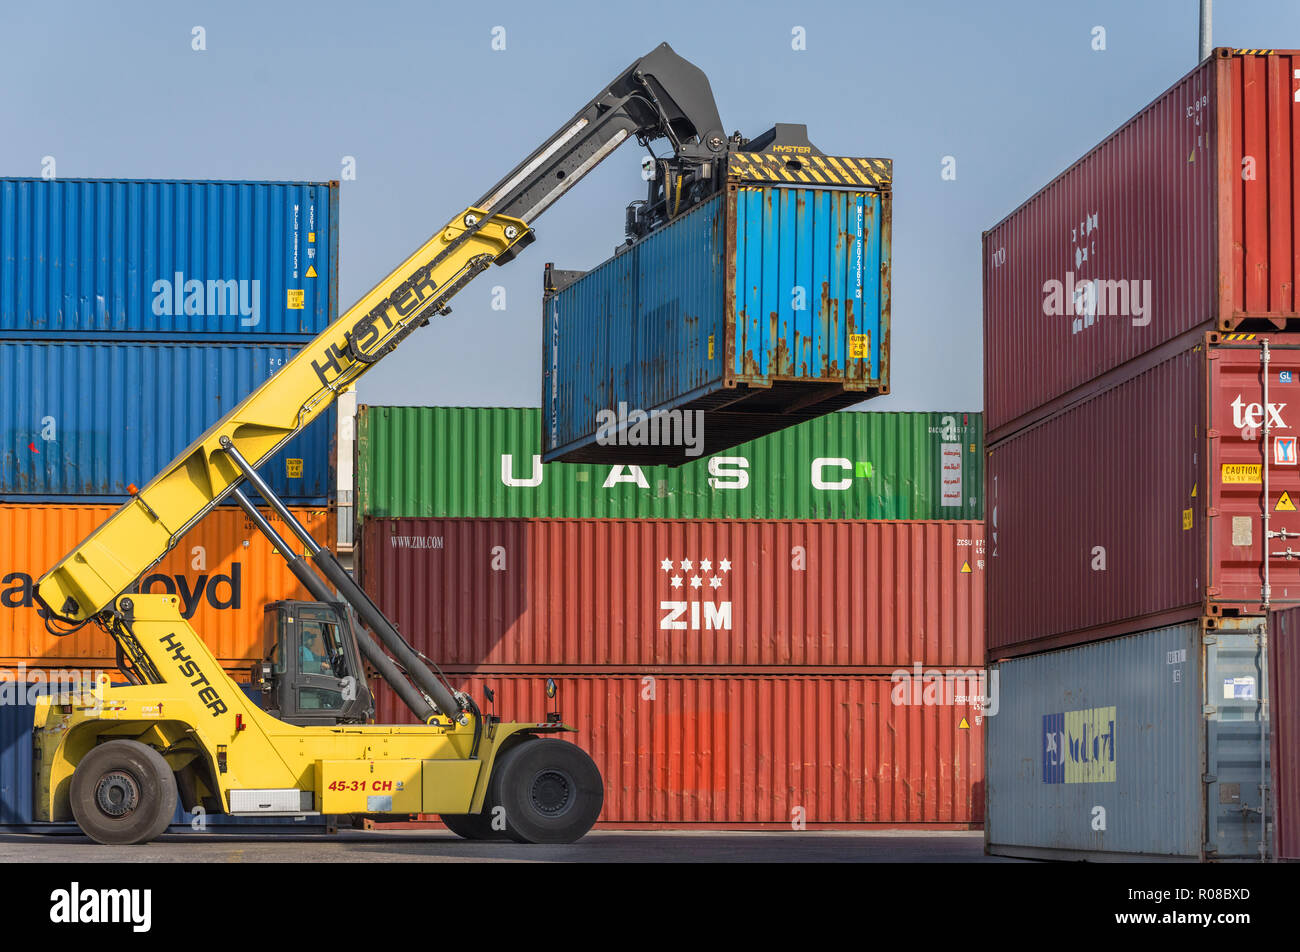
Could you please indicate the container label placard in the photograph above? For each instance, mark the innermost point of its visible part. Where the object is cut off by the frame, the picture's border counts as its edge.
(1079, 746)
(950, 463)
(1241, 472)
(294, 299)
(1239, 689)
(857, 250)
(1284, 450)
(859, 346)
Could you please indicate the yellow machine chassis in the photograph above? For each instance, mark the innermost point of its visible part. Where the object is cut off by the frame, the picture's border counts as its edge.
(200, 717)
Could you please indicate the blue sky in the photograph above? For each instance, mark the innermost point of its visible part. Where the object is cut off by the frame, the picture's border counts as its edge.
(434, 116)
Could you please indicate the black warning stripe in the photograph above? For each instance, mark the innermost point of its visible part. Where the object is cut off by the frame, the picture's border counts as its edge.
(811, 170)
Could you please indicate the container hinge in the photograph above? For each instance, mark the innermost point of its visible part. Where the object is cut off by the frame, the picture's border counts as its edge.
(1209, 778)
(1283, 534)
(1209, 709)
(1289, 554)
(1209, 639)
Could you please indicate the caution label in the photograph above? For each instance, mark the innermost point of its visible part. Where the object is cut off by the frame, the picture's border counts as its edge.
(1187, 519)
(294, 302)
(311, 271)
(1241, 472)
(964, 725)
(859, 346)
(293, 468)
(1285, 504)
(965, 568)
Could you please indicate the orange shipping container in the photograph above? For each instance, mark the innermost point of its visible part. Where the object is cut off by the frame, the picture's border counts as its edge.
(760, 752)
(223, 570)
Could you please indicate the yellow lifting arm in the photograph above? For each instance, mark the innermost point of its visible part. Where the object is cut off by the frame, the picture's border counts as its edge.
(107, 562)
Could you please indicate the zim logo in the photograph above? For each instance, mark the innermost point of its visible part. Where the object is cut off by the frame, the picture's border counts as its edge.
(696, 578)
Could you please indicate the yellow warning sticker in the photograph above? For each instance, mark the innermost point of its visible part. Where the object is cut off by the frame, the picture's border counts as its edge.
(859, 346)
(293, 468)
(294, 302)
(1187, 519)
(311, 271)
(311, 236)
(964, 725)
(1241, 472)
(710, 347)
(1193, 490)
(965, 568)
(1285, 504)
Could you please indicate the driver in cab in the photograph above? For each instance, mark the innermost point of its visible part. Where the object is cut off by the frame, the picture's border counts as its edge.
(315, 659)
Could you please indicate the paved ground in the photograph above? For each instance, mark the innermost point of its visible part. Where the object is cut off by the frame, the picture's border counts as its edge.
(440, 847)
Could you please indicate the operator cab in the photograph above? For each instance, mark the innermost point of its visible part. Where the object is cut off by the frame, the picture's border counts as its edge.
(312, 674)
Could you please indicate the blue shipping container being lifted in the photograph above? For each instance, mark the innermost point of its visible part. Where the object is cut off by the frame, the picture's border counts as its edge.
(1147, 746)
(91, 418)
(86, 258)
(765, 305)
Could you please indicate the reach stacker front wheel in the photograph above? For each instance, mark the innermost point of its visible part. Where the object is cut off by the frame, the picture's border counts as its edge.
(123, 793)
(551, 791)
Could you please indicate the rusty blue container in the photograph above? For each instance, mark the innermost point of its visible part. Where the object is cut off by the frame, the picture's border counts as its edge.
(763, 306)
(174, 260)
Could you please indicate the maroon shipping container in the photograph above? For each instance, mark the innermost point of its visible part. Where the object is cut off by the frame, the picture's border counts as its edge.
(756, 595)
(755, 751)
(1194, 199)
(1284, 713)
(1143, 505)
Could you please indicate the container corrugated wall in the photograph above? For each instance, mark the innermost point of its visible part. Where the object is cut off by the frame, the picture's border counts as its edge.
(1146, 745)
(89, 418)
(1192, 202)
(683, 750)
(1284, 676)
(485, 462)
(223, 569)
(82, 257)
(1095, 522)
(761, 307)
(1046, 780)
(732, 595)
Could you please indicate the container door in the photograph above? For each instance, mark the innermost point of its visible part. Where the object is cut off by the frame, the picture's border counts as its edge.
(1235, 771)
(1248, 464)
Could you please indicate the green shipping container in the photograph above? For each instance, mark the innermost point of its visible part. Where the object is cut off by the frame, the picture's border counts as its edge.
(485, 462)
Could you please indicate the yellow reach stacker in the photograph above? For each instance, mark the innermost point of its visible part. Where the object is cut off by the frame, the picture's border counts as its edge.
(117, 758)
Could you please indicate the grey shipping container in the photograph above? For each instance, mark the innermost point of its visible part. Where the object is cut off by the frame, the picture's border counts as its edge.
(1147, 746)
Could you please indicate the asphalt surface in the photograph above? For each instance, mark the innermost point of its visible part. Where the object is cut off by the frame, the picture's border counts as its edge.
(425, 846)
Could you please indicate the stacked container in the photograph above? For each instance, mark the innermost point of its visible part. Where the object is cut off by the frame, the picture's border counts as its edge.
(1142, 476)
(132, 315)
(786, 632)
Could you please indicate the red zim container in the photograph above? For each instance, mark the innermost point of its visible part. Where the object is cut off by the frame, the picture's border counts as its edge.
(753, 595)
(1143, 505)
(753, 751)
(1284, 707)
(1194, 199)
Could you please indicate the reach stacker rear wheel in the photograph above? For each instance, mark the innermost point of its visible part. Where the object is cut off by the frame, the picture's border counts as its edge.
(123, 793)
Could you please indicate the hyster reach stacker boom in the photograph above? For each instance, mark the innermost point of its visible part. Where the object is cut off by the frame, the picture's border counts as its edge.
(117, 758)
